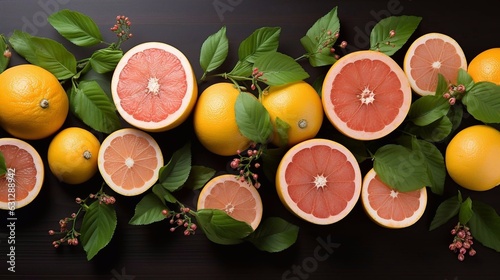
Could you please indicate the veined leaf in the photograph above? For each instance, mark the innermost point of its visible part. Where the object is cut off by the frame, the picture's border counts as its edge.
(98, 227)
(403, 27)
(252, 118)
(428, 109)
(434, 160)
(21, 43)
(163, 194)
(483, 102)
(199, 176)
(445, 211)
(214, 50)
(274, 235)
(105, 60)
(262, 40)
(279, 69)
(485, 225)
(3, 166)
(466, 212)
(76, 27)
(4, 60)
(148, 210)
(175, 173)
(221, 228)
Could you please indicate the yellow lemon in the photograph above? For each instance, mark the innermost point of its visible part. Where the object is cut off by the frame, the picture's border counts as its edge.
(486, 66)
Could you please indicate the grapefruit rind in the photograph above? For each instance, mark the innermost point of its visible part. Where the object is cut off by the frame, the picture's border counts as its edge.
(172, 120)
(390, 223)
(282, 186)
(40, 175)
(101, 159)
(336, 118)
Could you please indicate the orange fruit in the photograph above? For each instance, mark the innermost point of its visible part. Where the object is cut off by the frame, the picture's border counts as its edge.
(154, 87)
(238, 199)
(472, 157)
(214, 120)
(429, 55)
(23, 180)
(388, 207)
(72, 155)
(486, 66)
(129, 161)
(366, 95)
(319, 180)
(34, 104)
(299, 105)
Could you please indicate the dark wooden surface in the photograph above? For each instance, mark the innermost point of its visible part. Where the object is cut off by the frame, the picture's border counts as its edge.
(360, 250)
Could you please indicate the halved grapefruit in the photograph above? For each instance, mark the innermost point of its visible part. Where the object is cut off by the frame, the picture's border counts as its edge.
(388, 207)
(23, 180)
(129, 161)
(319, 180)
(238, 199)
(429, 55)
(154, 87)
(366, 95)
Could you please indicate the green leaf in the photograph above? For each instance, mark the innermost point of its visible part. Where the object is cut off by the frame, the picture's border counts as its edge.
(483, 102)
(485, 225)
(104, 81)
(433, 132)
(274, 235)
(262, 40)
(105, 60)
(163, 194)
(465, 213)
(445, 211)
(252, 118)
(148, 210)
(465, 79)
(3, 166)
(45, 53)
(199, 176)
(98, 227)
(4, 61)
(76, 27)
(242, 68)
(455, 116)
(320, 38)
(214, 50)
(279, 69)
(428, 109)
(442, 85)
(91, 105)
(281, 127)
(401, 168)
(434, 160)
(403, 27)
(176, 172)
(271, 158)
(221, 228)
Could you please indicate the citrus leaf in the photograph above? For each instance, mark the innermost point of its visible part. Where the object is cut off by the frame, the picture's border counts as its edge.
(433, 132)
(262, 40)
(4, 60)
(175, 173)
(214, 50)
(434, 160)
(465, 213)
(279, 69)
(485, 225)
(403, 27)
(21, 43)
(442, 85)
(148, 210)
(428, 109)
(221, 228)
(320, 38)
(483, 102)
(242, 68)
(105, 60)
(199, 176)
(252, 118)
(455, 116)
(3, 166)
(445, 211)
(465, 79)
(76, 27)
(281, 128)
(98, 227)
(91, 105)
(274, 235)
(163, 194)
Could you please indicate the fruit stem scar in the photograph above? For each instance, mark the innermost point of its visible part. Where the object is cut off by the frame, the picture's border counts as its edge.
(302, 123)
(366, 96)
(153, 85)
(44, 103)
(87, 154)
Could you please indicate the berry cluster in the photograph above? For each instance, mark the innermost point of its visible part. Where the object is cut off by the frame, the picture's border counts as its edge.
(454, 93)
(122, 28)
(245, 162)
(181, 219)
(462, 241)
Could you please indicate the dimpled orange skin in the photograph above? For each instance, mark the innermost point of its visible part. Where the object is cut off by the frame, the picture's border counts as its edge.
(486, 66)
(473, 158)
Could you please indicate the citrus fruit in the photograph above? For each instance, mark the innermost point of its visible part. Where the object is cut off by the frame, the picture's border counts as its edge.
(214, 120)
(472, 157)
(154, 87)
(34, 104)
(319, 180)
(129, 161)
(72, 155)
(23, 180)
(486, 66)
(299, 105)
(388, 207)
(366, 95)
(429, 55)
(237, 198)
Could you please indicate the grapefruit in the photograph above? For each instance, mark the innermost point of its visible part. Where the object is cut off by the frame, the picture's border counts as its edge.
(319, 180)
(154, 87)
(486, 66)
(366, 95)
(237, 198)
(129, 161)
(429, 55)
(388, 207)
(23, 180)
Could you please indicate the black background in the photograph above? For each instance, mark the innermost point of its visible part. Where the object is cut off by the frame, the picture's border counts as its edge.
(363, 249)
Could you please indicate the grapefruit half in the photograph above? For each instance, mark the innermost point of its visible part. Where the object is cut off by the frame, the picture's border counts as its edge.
(154, 87)
(366, 95)
(129, 161)
(238, 199)
(429, 55)
(388, 207)
(319, 180)
(23, 180)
